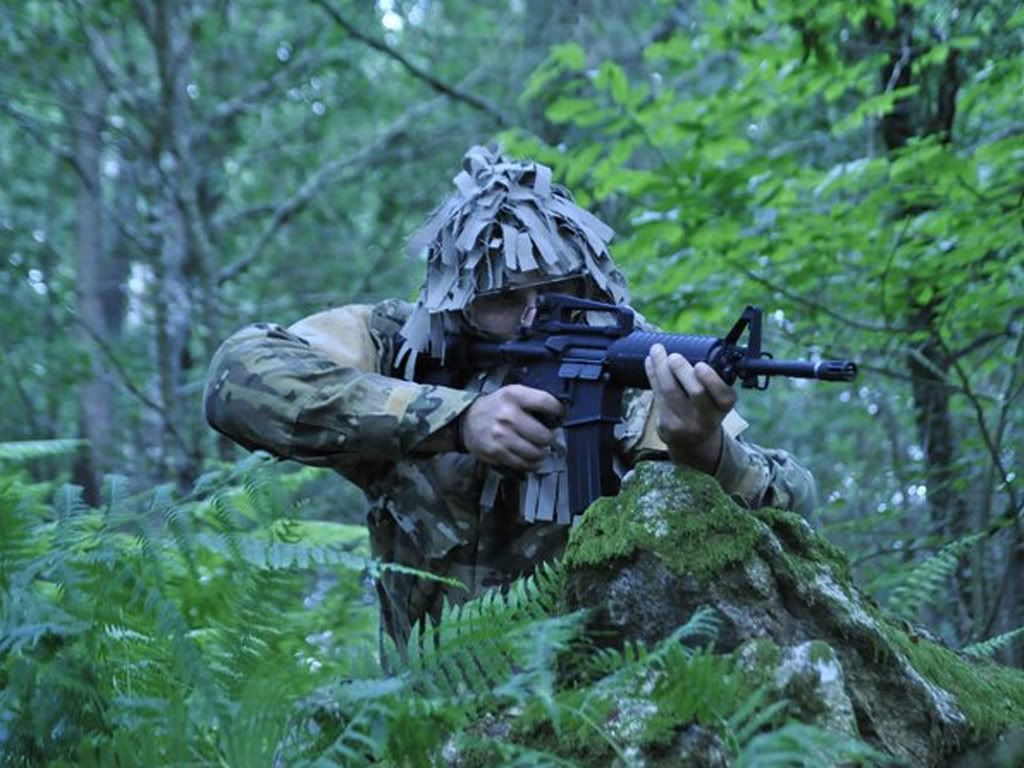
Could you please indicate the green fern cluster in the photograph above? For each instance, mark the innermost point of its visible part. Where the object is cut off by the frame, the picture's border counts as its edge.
(928, 580)
(160, 630)
(222, 629)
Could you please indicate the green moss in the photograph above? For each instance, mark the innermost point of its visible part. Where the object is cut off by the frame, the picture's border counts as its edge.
(682, 516)
(804, 550)
(760, 657)
(575, 739)
(990, 695)
(687, 520)
(821, 652)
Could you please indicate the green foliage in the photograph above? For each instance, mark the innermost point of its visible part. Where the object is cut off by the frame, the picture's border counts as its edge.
(140, 628)
(215, 629)
(869, 197)
(745, 153)
(799, 746)
(929, 580)
(993, 644)
(990, 695)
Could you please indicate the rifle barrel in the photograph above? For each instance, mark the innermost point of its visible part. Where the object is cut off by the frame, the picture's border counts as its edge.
(826, 370)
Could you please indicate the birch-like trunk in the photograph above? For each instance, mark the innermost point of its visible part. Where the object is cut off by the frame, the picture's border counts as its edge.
(181, 233)
(95, 395)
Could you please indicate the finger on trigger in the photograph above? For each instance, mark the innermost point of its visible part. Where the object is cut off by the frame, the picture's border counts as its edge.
(534, 431)
(540, 401)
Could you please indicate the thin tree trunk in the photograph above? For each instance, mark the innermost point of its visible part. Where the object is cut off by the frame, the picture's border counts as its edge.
(182, 235)
(929, 364)
(96, 394)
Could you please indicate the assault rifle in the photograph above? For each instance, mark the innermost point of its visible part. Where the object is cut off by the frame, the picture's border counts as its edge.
(588, 366)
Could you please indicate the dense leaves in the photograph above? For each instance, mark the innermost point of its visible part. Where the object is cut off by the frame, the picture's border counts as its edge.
(165, 631)
(176, 170)
(849, 170)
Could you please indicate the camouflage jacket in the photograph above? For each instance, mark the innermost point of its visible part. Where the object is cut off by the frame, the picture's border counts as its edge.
(320, 392)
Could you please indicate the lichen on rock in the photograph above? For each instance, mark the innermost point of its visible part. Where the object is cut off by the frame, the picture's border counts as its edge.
(791, 615)
(811, 677)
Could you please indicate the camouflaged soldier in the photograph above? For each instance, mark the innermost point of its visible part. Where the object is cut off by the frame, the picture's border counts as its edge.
(452, 474)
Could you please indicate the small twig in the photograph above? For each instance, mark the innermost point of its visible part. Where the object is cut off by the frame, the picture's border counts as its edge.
(127, 383)
(228, 110)
(438, 85)
(897, 67)
(797, 299)
(888, 266)
(986, 436)
(293, 204)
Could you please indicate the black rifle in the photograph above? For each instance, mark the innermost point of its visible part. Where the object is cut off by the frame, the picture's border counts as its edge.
(588, 367)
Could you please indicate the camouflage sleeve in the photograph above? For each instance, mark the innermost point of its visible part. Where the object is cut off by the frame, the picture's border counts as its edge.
(765, 477)
(314, 393)
(753, 476)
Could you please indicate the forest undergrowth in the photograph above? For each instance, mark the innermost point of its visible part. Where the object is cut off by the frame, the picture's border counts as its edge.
(220, 628)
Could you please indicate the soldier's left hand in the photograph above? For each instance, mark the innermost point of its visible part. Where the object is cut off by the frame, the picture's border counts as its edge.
(690, 403)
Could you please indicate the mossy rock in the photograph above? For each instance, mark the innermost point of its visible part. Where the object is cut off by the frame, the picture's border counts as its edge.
(672, 542)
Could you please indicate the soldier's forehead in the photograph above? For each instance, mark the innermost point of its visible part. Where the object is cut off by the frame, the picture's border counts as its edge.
(517, 280)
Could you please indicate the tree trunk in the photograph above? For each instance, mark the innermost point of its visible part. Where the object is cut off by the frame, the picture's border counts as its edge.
(96, 393)
(183, 238)
(928, 364)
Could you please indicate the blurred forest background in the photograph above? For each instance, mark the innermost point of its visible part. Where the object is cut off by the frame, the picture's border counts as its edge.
(175, 170)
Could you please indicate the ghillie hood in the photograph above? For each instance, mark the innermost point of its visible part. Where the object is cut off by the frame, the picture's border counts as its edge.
(506, 217)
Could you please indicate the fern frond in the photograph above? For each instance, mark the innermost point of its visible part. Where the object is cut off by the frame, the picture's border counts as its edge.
(25, 450)
(69, 502)
(501, 644)
(753, 715)
(116, 496)
(611, 663)
(928, 578)
(20, 521)
(361, 741)
(797, 745)
(991, 646)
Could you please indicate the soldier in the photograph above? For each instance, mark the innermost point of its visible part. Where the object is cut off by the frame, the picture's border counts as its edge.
(453, 473)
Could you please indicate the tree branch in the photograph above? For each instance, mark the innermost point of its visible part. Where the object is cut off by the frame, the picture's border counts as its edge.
(796, 298)
(126, 381)
(296, 202)
(34, 129)
(438, 85)
(228, 110)
(1007, 132)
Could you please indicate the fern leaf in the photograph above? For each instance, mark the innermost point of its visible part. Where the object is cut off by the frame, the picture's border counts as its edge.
(27, 450)
(797, 745)
(754, 715)
(928, 578)
(994, 644)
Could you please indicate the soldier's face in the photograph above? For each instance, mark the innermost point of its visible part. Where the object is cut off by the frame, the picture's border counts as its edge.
(502, 312)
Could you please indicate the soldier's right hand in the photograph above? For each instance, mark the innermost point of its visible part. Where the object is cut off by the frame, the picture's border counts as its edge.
(503, 427)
